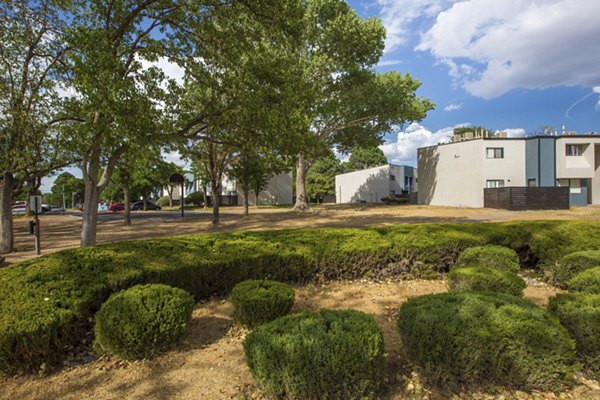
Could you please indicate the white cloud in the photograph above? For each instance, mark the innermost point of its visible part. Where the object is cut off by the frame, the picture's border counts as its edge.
(388, 63)
(175, 157)
(495, 46)
(453, 107)
(404, 150)
(398, 17)
(171, 70)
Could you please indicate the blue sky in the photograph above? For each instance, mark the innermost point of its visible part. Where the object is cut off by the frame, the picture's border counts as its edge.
(509, 65)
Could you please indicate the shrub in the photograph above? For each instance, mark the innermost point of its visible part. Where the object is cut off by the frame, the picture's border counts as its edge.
(46, 303)
(580, 314)
(471, 339)
(587, 281)
(324, 355)
(163, 201)
(195, 198)
(482, 279)
(394, 200)
(257, 301)
(143, 321)
(574, 263)
(491, 256)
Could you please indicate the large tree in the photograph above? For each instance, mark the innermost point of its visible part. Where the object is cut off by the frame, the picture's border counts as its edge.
(66, 187)
(345, 103)
(32, 55)
(365, 157)
(320, 179)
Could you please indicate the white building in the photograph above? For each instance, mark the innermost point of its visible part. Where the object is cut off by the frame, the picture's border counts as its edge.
(456, 173)
(373, 184)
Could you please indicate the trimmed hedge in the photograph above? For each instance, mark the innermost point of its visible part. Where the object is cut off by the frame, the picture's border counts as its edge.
(469, 339)
(324, 355)
(46, 304)
(574, 263)
(580, 314)
(482, 279)
(491, 256)
(587, 281)
(143, 321)
(258, 301)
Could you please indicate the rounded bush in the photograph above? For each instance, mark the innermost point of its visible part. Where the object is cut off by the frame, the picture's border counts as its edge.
(143, 321)
(258, 301)
(324, 355)
(490, 256)
(482, 279)
(574, 263)
(580, 314)
(587, 281)
(163, 201)
(469, 339)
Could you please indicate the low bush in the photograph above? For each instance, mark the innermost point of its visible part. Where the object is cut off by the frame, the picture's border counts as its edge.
(195, 198)
(394, 200)
(580, 314)
(491, 256)
(587, 281)
(324, 355)
(163, 201)
(257, 301)
(46, 303)
(574, 263)
(143, 321)
(482, 279)
(469, 339)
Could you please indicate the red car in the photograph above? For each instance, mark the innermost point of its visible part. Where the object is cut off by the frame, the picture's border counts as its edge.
(115, 207)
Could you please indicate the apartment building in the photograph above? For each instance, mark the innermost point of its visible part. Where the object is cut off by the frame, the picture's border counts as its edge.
(372, 184)
(456, 173)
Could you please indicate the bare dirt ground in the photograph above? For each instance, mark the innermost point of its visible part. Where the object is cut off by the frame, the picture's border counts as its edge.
(63, 231)
(211, 365)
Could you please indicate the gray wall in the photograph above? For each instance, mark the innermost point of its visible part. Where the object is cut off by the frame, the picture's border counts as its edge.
(541, 161)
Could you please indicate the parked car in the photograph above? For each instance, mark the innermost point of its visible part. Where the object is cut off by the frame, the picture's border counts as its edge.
(18, 209)
(139, 205)
(114, 207)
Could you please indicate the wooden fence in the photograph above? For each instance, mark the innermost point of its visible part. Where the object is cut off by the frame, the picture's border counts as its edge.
(527, 198)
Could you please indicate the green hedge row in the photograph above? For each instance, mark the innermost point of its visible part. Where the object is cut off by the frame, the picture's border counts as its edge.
(482, 279)
(47, 304)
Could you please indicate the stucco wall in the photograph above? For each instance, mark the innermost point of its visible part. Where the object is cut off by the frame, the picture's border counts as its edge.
(575, 166)
(368, 185)
(278, 191)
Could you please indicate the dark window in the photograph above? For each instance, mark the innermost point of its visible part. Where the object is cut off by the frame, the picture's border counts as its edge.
(494, 152)
(574, 150)
(392, 177)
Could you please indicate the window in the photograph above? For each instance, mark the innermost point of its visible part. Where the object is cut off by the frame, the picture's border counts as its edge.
(406, 181)
(392, 177)
(574, 150)
(494, 152)
(494, 183)
(532, 182)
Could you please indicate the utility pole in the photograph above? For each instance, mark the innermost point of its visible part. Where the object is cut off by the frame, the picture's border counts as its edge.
(63, 196)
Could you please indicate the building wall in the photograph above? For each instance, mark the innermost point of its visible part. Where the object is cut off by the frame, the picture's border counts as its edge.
(579, 166)
(368, 185)
(541, 161)
(595, 181)
(278, 191)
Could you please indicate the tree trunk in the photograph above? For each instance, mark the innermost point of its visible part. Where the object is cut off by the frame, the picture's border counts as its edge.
(256, 192)
(216, 189)
(301, 199)
(170, 194)
(6, 220)
(145, 202)
(205, 205)
(90, 211)
(246, 201)
(126, 207)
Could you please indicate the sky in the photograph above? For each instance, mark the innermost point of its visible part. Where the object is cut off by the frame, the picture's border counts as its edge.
(507, 65)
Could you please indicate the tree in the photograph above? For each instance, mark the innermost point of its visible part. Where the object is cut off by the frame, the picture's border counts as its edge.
(365, 157)
(67, 185)
(320, 179)
(479, 130)
(164, 171)
(31, 60)
(345, 104)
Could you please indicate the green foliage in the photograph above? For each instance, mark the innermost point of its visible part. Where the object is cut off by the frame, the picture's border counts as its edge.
(463, 130)
(258, 301)
(45, 303)
(320, 178)
(73, 189)
(580, 314)
(587, 281)
(365, 157)
(482, 279)
(163, 201)
(471, 339)
(490, 256)
(143, 321)
(324, 355)
(394, 200)
(572, 264)
(195, 198)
